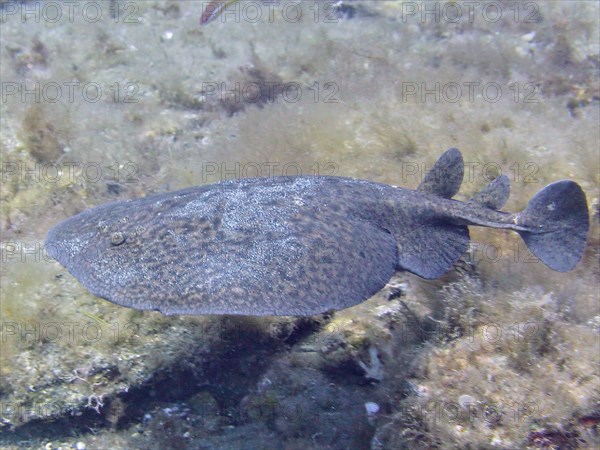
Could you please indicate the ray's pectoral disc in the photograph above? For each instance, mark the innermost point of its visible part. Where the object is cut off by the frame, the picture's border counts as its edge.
(256, 247)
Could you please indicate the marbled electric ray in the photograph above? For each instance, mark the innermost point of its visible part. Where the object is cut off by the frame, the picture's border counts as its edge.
(299, 245)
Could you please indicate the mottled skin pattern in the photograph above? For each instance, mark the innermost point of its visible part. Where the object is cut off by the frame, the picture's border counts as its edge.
(287, 246)
(272, 246)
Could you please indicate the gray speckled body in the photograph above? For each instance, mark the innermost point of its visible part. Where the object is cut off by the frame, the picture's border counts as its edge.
(281, 246)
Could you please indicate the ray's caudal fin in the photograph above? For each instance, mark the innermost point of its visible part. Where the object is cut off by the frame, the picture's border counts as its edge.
(557, 221)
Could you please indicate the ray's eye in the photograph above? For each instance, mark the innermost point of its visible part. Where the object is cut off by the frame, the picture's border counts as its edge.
(117, 238)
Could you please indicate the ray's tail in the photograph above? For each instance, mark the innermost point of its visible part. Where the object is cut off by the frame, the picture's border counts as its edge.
(554, 225)
(557, 221)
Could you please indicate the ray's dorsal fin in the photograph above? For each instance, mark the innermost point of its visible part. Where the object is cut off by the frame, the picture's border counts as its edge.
(446, 176)
(495, 194)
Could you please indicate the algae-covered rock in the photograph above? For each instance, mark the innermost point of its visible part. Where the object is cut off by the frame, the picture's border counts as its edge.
(41, 136)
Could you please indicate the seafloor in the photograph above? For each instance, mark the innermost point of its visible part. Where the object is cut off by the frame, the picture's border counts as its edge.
(116, 100)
